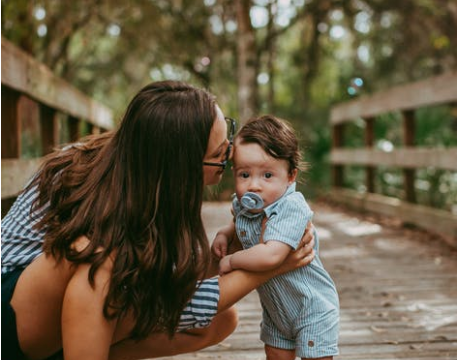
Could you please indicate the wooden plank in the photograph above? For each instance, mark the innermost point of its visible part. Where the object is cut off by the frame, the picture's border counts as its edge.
(437, 90)
(23, 73)
(16, 173)
(11, 126)
(434, 220)
(444, 159)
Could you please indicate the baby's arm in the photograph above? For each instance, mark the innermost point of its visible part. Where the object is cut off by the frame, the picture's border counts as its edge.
(222, 240)
(261, 257)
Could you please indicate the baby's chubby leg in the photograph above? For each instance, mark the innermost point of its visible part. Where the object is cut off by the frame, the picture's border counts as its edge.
(279, 354)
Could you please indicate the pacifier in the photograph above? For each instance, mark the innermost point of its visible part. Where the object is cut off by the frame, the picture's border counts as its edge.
(251, 201)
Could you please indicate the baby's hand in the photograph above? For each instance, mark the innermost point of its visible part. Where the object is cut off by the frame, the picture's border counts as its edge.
(224, 265)
(219, 246)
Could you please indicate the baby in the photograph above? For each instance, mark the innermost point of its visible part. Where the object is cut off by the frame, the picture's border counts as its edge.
(301, 308)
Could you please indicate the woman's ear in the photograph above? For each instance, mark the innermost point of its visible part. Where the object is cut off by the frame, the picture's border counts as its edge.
(293, 176)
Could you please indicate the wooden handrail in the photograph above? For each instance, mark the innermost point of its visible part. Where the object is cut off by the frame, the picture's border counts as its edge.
(434, 91)
(27, 76)
(405, 99)
(28, 85)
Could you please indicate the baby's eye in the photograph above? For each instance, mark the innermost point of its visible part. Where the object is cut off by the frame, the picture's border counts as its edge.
(268, 175)
(244, 175)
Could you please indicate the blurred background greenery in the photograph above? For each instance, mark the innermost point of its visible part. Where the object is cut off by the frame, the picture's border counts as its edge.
(293, 58)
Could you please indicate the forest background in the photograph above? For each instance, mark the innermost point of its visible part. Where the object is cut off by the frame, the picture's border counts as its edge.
(292, 58)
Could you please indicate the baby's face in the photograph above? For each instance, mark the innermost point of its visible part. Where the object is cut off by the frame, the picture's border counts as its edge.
(258, 172)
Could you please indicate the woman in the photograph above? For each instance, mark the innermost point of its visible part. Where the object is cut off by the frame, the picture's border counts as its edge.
(117, 219)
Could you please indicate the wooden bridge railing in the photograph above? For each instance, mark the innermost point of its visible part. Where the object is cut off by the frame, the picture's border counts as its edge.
(32, 93)
(406, 99)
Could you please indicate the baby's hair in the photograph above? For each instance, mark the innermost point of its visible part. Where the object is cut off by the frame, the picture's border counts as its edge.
(276, 137)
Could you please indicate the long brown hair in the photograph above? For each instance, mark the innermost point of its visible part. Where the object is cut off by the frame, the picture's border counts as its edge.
(136, 193)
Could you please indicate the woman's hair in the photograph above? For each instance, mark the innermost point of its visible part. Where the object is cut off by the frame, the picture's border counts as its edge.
(136, 193)
(275, 136)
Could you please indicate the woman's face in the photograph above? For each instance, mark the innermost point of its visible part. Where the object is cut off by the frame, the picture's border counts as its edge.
(216, 151)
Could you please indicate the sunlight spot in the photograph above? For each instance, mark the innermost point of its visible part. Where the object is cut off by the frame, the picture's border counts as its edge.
(231, 26)
(263, 78)
(386, 20)
(205, 61)
(259, 16)
(216, 24)
(324, 233)
(346, 252)
(386, 50)
(384, 145)
(114, 30)
(337, 32)
(362, 22)
(39, 13)
(432, 317)
(363, 53)
(42, 30)
(285, 14)
(422, 184)
(337, 15)
(355, 227)
(322, 27)
(155, 74)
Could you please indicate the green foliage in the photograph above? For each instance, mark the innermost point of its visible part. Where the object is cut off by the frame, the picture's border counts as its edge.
(311, 51)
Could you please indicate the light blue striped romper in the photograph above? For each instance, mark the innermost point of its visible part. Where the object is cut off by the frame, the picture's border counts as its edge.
(21, 244)
(300, 308)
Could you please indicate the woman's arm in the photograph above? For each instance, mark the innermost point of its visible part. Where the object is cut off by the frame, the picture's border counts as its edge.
(86, 333)
(237, 284)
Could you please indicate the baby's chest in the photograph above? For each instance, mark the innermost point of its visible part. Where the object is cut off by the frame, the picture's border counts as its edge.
(249, 231)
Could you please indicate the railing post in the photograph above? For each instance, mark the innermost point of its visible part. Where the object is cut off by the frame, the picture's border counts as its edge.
(338, 170)
(11, 126)
(11, 133)
(409, 132)
(49, 128)
(369, 142)
(73, 128)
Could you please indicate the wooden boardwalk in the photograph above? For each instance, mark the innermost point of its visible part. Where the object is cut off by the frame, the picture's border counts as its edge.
(397, 287)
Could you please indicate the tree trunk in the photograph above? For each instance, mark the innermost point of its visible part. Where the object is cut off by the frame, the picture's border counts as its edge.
(247, 62)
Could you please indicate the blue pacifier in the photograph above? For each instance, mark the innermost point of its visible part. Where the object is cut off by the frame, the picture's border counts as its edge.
(251, 201)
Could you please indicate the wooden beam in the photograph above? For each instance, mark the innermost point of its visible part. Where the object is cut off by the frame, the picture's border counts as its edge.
(435, 220)
(413, 158)
(26, 75)
(437, 90)
(16, 173)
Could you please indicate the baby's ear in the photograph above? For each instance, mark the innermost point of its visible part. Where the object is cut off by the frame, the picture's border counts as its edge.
(293, 176)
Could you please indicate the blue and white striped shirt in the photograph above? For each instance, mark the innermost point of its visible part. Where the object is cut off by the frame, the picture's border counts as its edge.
(21, 243)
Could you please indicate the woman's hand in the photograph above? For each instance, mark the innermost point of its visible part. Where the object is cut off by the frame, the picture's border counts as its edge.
(303, 255)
